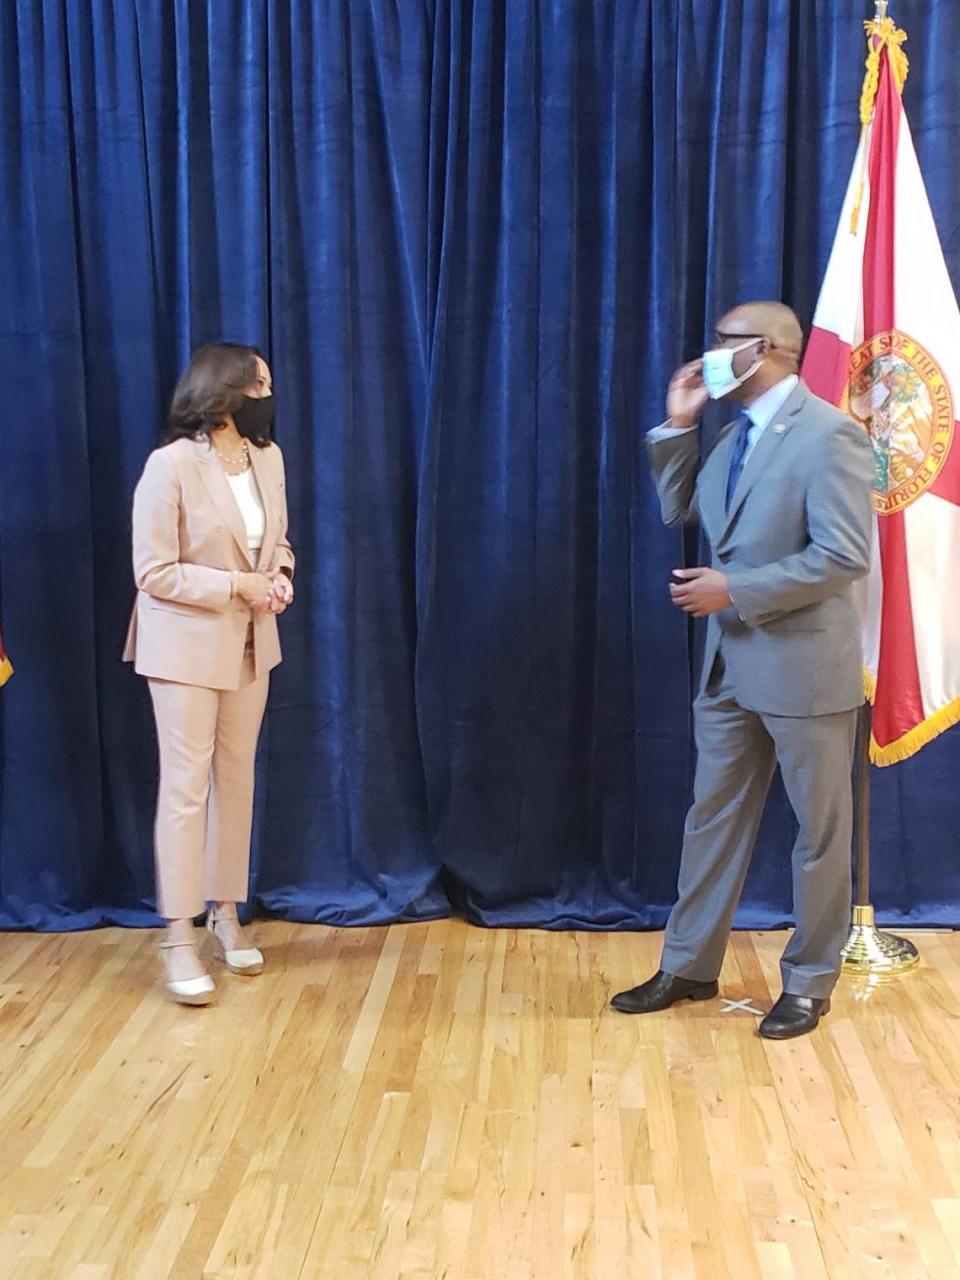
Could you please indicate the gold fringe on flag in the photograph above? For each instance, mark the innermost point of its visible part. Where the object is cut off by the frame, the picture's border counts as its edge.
(908, 744)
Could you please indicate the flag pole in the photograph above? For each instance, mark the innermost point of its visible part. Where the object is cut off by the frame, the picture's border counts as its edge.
(869, 952)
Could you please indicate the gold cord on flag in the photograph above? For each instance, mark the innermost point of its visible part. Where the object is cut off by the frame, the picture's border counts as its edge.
(882, 33)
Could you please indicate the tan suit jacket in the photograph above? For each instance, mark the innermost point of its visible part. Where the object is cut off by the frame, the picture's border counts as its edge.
(188, 540)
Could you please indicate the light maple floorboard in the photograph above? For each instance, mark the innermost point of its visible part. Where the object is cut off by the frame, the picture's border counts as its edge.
(439, 1101)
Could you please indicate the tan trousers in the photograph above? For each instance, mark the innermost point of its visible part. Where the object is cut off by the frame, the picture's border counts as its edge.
(208, 741)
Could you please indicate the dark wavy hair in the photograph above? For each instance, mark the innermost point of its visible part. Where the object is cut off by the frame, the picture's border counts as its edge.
(213, 384)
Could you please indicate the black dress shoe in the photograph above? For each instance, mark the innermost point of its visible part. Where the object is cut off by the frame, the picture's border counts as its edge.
(661, 991)
(793, 1016)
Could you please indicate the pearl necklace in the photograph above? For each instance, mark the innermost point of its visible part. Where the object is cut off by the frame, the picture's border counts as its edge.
(243, 462)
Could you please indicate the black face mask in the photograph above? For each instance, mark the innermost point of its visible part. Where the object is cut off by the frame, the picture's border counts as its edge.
(254, 418)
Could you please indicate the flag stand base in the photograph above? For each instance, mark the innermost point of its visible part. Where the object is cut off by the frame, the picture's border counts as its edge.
(880, 956)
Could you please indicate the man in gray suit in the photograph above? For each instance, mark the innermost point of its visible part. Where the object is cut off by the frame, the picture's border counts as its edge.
(784, 498)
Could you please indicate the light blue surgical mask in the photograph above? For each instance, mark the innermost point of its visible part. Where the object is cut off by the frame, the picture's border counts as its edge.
(717, 372)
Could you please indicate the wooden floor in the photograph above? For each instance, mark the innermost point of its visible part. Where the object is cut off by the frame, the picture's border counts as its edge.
(441, 1101)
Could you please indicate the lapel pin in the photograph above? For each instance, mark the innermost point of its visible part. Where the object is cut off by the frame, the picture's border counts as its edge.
(780, 428)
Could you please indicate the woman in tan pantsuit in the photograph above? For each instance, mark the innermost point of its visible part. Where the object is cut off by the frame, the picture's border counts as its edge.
(213, 569)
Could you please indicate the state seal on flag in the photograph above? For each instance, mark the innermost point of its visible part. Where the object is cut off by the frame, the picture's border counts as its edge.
(899, 393)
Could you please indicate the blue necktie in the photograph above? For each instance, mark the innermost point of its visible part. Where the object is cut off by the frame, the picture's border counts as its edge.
(738, 454)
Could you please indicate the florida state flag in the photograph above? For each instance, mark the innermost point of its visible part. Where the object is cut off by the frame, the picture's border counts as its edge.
(885, 346)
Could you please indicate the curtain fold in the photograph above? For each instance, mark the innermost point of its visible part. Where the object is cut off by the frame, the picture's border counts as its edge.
(473, 238)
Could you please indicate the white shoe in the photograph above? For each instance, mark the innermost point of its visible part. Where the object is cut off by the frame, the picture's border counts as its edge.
(247, 962)
(195, 991)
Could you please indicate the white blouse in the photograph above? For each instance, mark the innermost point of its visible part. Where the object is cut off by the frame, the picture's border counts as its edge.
(248, 498)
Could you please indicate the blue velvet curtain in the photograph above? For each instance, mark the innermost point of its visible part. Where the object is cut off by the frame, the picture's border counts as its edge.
(473, 237)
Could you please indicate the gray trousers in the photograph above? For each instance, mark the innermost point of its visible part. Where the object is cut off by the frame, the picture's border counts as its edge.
(738, 751)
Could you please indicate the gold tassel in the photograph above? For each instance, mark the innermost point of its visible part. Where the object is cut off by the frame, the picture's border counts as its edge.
(882, 33)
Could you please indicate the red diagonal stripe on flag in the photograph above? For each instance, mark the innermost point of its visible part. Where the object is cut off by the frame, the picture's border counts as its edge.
(898, 705)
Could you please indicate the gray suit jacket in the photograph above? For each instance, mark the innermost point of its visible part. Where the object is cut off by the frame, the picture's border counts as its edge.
(796, 537)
